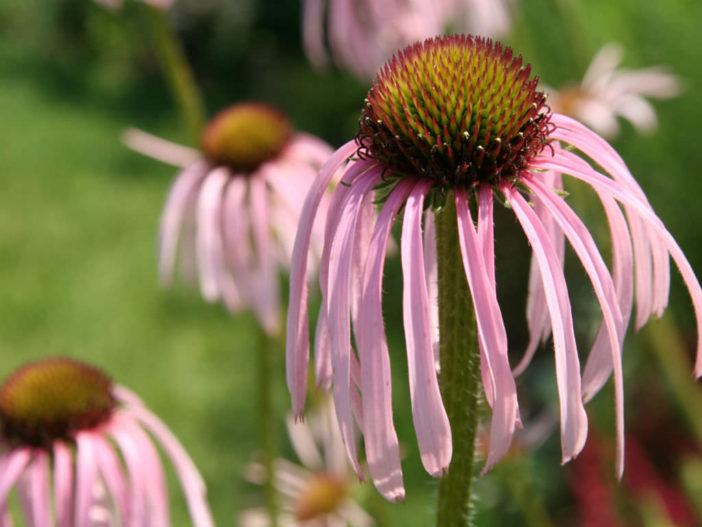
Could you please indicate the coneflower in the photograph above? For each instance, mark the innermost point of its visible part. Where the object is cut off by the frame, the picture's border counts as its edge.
(449, 126)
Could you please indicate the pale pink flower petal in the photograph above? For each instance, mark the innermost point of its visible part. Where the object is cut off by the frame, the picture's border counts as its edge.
(382, 447)
(573, 417)
(63, 484)
(340, 256)
(297, 334)
(86, 477)
(491, 332)
(430, 420)
(584, 246)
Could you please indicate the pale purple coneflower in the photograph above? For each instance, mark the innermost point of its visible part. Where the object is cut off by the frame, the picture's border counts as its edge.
(607, 92)
(233, 210)
(460, 119)
(320, 491)
(79, 451)
(363, 34)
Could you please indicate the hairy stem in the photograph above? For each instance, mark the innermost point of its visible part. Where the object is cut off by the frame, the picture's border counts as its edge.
(460, 370)
(266, 419)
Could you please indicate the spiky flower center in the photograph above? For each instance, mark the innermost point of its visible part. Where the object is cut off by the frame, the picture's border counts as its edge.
(460, 110)
(245, 135)
(52, 399)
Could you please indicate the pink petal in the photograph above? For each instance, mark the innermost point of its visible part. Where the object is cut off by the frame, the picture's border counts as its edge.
(573, 417)
(431, 272)
(182, 193)
(491, 332)
(297, 333)
(63, 484)
(382, 448)
(86, 477)
(113, 475)
(137, 485)
(236, 241)
(486, 239)
(152, 473)
(652, 286)
(561, 161)
(12, 465)
(430, 420)
(584, 246)
(599, 362)
(537, 310)
(340, 257)
(313, 32)
(38, 491)
(190, 479)
(210, 251)
(266, 301)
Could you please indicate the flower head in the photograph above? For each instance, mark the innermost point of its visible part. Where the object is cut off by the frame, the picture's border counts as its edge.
(606, 93)
(363, 34)
(319, 491)
(65, 429)
(459, 118)
(233, 210)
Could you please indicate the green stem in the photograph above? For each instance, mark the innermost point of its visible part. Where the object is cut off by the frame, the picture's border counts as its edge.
(460, 371)
(178, 73)
(266, 360)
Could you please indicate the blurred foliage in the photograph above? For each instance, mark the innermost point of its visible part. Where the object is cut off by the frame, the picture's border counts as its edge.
(78, 215)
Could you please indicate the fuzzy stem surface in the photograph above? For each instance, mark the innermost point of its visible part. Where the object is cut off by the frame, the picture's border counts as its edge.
(460, 371)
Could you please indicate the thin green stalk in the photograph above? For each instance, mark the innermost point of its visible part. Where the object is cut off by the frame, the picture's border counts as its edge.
(177, 73)
(266, 419)
(460, 371)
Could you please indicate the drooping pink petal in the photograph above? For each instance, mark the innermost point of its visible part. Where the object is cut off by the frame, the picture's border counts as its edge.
(38, 504)
(586, 249)
(152, 473)
(322, 344)
(313, 32)
(190, 479)
(182, 192)
(487, 247)
(112, 474)
(266, 301)
(322, 352)
(12, 465)
(297, 332)
(129, 450)
(561, 161)
(63, 484)
(159, 149)
(338, 314)
(364, 229)
(599, 362)
(431, 271)
(86, 477)
(430, 420)
(537, 310)
(573, 417)
(382, 448)
(652, 283)
(209, 242)
(491, 332)
(237, 240)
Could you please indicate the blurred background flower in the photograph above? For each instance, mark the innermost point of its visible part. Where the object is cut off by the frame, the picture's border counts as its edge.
(321, 490)
(67, 435)
(608, 92)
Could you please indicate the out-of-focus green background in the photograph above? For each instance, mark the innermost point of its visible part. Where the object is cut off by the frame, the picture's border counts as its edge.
(79, 212)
